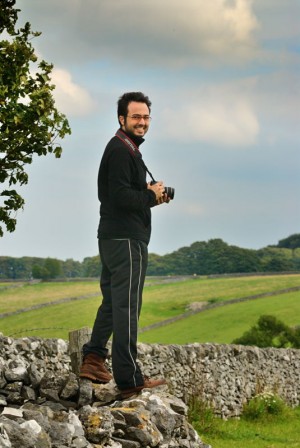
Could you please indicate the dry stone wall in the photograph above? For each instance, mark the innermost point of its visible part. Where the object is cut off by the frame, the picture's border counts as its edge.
(225, 376)
(43, 404)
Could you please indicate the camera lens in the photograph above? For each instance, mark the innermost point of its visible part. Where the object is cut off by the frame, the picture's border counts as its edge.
(170, 192)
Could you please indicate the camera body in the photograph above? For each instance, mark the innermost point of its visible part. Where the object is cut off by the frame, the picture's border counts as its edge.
(169, 191)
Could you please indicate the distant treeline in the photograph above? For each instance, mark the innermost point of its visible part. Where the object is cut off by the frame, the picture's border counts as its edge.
(201, 258)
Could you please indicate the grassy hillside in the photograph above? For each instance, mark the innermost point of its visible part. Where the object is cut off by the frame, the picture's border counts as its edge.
(161, 301)
(224, 324)
(16, 296)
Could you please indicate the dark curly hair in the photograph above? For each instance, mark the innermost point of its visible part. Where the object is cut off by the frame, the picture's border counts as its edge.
(126, 98)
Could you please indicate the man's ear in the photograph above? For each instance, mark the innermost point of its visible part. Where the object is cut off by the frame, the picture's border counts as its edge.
(121, 120)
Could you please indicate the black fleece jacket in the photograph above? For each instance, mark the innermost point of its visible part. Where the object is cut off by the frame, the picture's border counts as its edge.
(123, 194)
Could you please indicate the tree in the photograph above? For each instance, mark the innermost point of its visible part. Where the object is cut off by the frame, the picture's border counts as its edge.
(291, 242)
(91, 266)
(53, 266)
(40, 272)
(30, 124)
(71, 268)
(50, 268)
(275, 259)
(270, 332)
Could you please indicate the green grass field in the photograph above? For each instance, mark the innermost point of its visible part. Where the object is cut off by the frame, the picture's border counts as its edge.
(160, 302)
(275, 433)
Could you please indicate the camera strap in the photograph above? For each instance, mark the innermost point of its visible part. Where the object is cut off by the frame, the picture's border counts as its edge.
(133, 149)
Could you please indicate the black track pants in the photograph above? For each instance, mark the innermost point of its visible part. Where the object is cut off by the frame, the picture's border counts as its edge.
(124, 264)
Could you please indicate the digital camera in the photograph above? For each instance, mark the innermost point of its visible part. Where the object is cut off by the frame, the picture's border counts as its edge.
(169, 191)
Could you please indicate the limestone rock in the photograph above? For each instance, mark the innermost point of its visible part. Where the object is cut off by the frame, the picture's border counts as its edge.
(43, 404)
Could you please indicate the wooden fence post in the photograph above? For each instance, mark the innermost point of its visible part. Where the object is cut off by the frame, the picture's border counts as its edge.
(76, 340)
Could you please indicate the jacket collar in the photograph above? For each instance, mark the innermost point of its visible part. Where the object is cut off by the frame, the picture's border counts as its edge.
(136, 139)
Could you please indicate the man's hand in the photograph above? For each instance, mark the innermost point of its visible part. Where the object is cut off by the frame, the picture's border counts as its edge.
(164, 199)
(159, 189)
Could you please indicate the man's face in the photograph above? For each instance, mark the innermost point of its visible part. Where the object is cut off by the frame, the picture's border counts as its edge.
(137, 120)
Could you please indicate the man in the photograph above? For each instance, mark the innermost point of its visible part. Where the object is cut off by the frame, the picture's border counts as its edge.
(123, 235)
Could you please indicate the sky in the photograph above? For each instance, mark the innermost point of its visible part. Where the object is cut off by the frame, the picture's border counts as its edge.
(223, 78)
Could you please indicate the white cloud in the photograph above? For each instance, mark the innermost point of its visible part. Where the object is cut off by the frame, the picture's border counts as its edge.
(168, 32)
(225, 29)
(223, 115)
(71, 98)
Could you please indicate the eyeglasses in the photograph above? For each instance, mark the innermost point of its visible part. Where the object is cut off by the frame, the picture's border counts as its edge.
(137, 117)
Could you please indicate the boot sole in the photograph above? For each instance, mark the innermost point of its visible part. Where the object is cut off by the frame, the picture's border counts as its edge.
(94, 379)
(134, 393)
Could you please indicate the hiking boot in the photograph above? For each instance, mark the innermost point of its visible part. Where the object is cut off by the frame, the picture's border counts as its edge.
(148, 384)
(93, 368)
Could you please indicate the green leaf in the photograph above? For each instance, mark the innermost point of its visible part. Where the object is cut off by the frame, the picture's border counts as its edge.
(26, 128)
